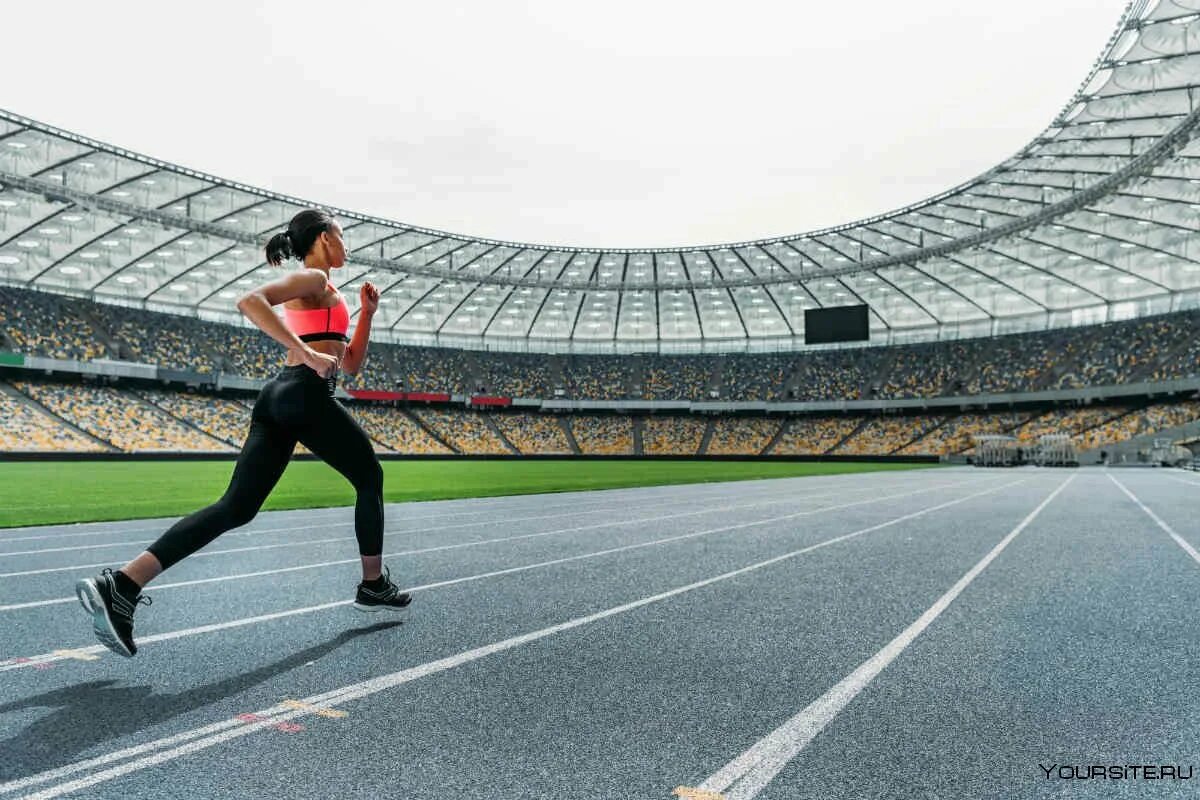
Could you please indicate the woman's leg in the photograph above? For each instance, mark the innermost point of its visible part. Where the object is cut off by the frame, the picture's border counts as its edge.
(264, 456)
(340, 442)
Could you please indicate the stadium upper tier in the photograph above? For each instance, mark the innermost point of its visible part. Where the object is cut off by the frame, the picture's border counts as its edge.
(1144, 355)
(1091, 221)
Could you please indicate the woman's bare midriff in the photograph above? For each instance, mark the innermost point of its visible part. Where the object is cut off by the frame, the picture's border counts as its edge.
(330, 347)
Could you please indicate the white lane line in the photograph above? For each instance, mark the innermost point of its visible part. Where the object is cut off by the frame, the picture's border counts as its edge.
(340, 511)
(497, 504)
(747, 774)
(574, 511)
(19, 663)
(169, 748)
(203, 554)
(227, 550)
(292, 544)
(1183, 480)
(117, 526)
(306, 527)
(1179, 540)
(239, 576)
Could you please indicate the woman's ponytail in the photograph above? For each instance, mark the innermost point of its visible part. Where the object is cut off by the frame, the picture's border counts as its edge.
(279, 248)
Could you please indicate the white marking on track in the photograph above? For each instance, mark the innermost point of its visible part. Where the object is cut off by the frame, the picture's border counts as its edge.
(340, 512)
(573, 512)
(494, 504)
(1179, 540)
(187, 742)
(32, 661)
(301, 528)
(1178, 480)
(747, 774)
(159, 587)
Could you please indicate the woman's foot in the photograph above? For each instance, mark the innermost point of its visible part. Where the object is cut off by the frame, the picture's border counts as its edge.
(380, 594)
(112, 609)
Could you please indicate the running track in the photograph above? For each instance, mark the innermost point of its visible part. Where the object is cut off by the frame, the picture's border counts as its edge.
(890, 635)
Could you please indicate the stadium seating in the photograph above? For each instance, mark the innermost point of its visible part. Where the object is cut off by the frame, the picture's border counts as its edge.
(813, 435)
(28, 429)
(957, 435)
(225, 420)
(45, 324)
(734, 436)
(167, 340)
(43, 416)
(396, 431)
(672, 435)
(534, 434)
(119, 418)
(466, 431)
(1158, 348)
(602, 434)
(677, 378)
(599, 377)
(879, 436)
(48, 414)
(1135, 423)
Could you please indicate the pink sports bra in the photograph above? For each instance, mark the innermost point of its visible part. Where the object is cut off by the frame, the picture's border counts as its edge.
(311, 324)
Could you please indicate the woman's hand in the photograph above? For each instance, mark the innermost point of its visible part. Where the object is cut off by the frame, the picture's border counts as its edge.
(321, 363)
(368, 298)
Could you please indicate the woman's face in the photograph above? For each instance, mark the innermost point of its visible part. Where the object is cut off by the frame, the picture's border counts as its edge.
(335, 246)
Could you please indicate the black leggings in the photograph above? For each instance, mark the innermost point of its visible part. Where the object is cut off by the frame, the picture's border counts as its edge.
(295, 405)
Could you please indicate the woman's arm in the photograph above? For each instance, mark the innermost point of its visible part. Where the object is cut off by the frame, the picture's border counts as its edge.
(256, 304)
(356, 352)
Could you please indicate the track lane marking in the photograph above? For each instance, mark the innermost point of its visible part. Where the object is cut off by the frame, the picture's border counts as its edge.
(489, 509)
(240, 576)
(1182, 480)
(187, 742)
(573, 512)
(1179, 540)
(423, 530)
(43, 658)
(339, 510)
(574, 509)
(749, 773)
(208, 553)
(33, 604)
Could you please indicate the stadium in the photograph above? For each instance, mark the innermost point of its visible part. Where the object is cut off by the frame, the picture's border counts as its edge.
(674, 525)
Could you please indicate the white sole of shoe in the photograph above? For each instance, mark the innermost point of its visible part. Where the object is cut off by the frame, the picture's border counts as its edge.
(372, 609)
(89, 598)
(85, 597)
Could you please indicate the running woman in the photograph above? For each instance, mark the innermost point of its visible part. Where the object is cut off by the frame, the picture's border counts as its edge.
(296, 405)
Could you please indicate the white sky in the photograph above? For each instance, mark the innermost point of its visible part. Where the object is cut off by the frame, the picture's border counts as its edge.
(627, 123)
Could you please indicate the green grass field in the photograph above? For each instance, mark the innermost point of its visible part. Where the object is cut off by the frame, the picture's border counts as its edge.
(34, 493)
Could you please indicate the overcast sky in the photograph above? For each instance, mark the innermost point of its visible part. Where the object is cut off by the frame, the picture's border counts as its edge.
(626, 123)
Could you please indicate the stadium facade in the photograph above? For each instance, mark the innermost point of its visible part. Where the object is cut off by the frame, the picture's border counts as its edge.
(1092, 221)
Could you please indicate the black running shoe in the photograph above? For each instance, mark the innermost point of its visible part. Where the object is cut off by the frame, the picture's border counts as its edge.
(112, 612)
(389, 596)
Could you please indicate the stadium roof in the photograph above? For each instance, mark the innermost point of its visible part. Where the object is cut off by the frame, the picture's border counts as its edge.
(1094, 219)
